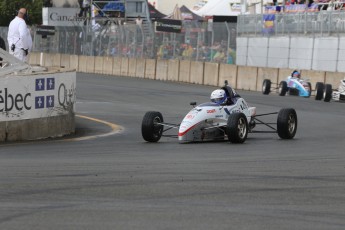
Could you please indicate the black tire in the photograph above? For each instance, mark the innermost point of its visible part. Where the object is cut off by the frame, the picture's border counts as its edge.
(282, 88)
(150, 130)
(237, 128)
(319, 91)
(266, 86)
(310, 89)
(287, 123)
(327, 94)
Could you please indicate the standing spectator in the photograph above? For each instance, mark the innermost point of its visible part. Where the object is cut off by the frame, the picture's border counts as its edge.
(19, 37)
(139, 21)
(85, 6)
(219, 56)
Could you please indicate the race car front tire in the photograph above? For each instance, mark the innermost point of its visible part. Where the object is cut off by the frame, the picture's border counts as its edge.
(237, 128)
(287, 123)
(283, 88)
(319, 90)
(150, 129)
(266, 86)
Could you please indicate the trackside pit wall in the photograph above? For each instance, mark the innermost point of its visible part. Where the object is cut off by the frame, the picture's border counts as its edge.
(204, 73)
(37, 105)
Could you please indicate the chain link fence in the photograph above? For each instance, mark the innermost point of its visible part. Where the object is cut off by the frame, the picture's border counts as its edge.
(197, 41)
(323, 23)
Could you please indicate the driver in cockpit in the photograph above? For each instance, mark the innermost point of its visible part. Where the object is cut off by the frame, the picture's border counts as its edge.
(224, 96)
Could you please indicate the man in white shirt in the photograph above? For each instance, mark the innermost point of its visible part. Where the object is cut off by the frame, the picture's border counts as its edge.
(19, 37)
(139, 21)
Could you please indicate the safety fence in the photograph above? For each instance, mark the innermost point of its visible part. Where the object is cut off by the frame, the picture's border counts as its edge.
(323, 23)
(197, 41)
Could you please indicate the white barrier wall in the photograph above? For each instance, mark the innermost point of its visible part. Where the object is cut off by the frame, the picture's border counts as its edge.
(241, 50)
(308, 53)
(278, 52)
(301, 53)
(325, 54)
(257, 52)
(341, 55)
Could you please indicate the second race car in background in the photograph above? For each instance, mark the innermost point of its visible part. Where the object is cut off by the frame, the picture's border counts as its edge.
(291, 85)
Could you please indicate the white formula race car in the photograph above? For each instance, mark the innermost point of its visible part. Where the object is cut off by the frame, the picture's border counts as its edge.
(212, 121)
(326, 93)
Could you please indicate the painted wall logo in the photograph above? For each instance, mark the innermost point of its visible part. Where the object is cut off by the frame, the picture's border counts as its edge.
(9, 101)
(42, 85)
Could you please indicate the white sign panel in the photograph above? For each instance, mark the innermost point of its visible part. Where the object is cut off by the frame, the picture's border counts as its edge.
(37, 96)
(61, 17)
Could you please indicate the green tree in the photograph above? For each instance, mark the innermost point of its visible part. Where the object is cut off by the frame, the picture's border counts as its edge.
(9, 8)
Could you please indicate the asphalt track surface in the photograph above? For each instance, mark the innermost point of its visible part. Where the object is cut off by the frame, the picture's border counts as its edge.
(107, 178)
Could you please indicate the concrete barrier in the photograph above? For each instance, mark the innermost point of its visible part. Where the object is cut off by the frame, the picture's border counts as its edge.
(99, 64)
(40, 128)
(124, 66)
(34, 58)
(107, 65)
(197, 73)
(240, 77)
(82, 64)
(3, 134)
(211, 74)
(140, 67)
(313, 76)
(117, 66)
(150, 68)
(162, 70)
(283, 74)
(173, 70)
(266, 73)
(47, 59)
(74, 61)
(132, 67)
(90, 64)
(184, 74)
(65, 60)
(334, 78)
(42, 107)
(229, 73)
(247, 78)
(57, 60)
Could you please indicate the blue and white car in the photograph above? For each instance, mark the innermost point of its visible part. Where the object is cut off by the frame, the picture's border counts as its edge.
(292, 85)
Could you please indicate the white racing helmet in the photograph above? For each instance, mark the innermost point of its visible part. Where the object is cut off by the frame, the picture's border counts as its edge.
(218, 96)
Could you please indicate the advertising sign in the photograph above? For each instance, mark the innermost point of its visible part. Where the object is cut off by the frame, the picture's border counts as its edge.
(37, 96)
(169, 25)
(61, 17)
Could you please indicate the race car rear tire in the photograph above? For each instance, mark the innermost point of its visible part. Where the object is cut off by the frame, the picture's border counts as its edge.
(319, 91)
(287, 123)
(237, 128)
(327, 96)
(150, 130)
(266, 86)
(282, 88)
